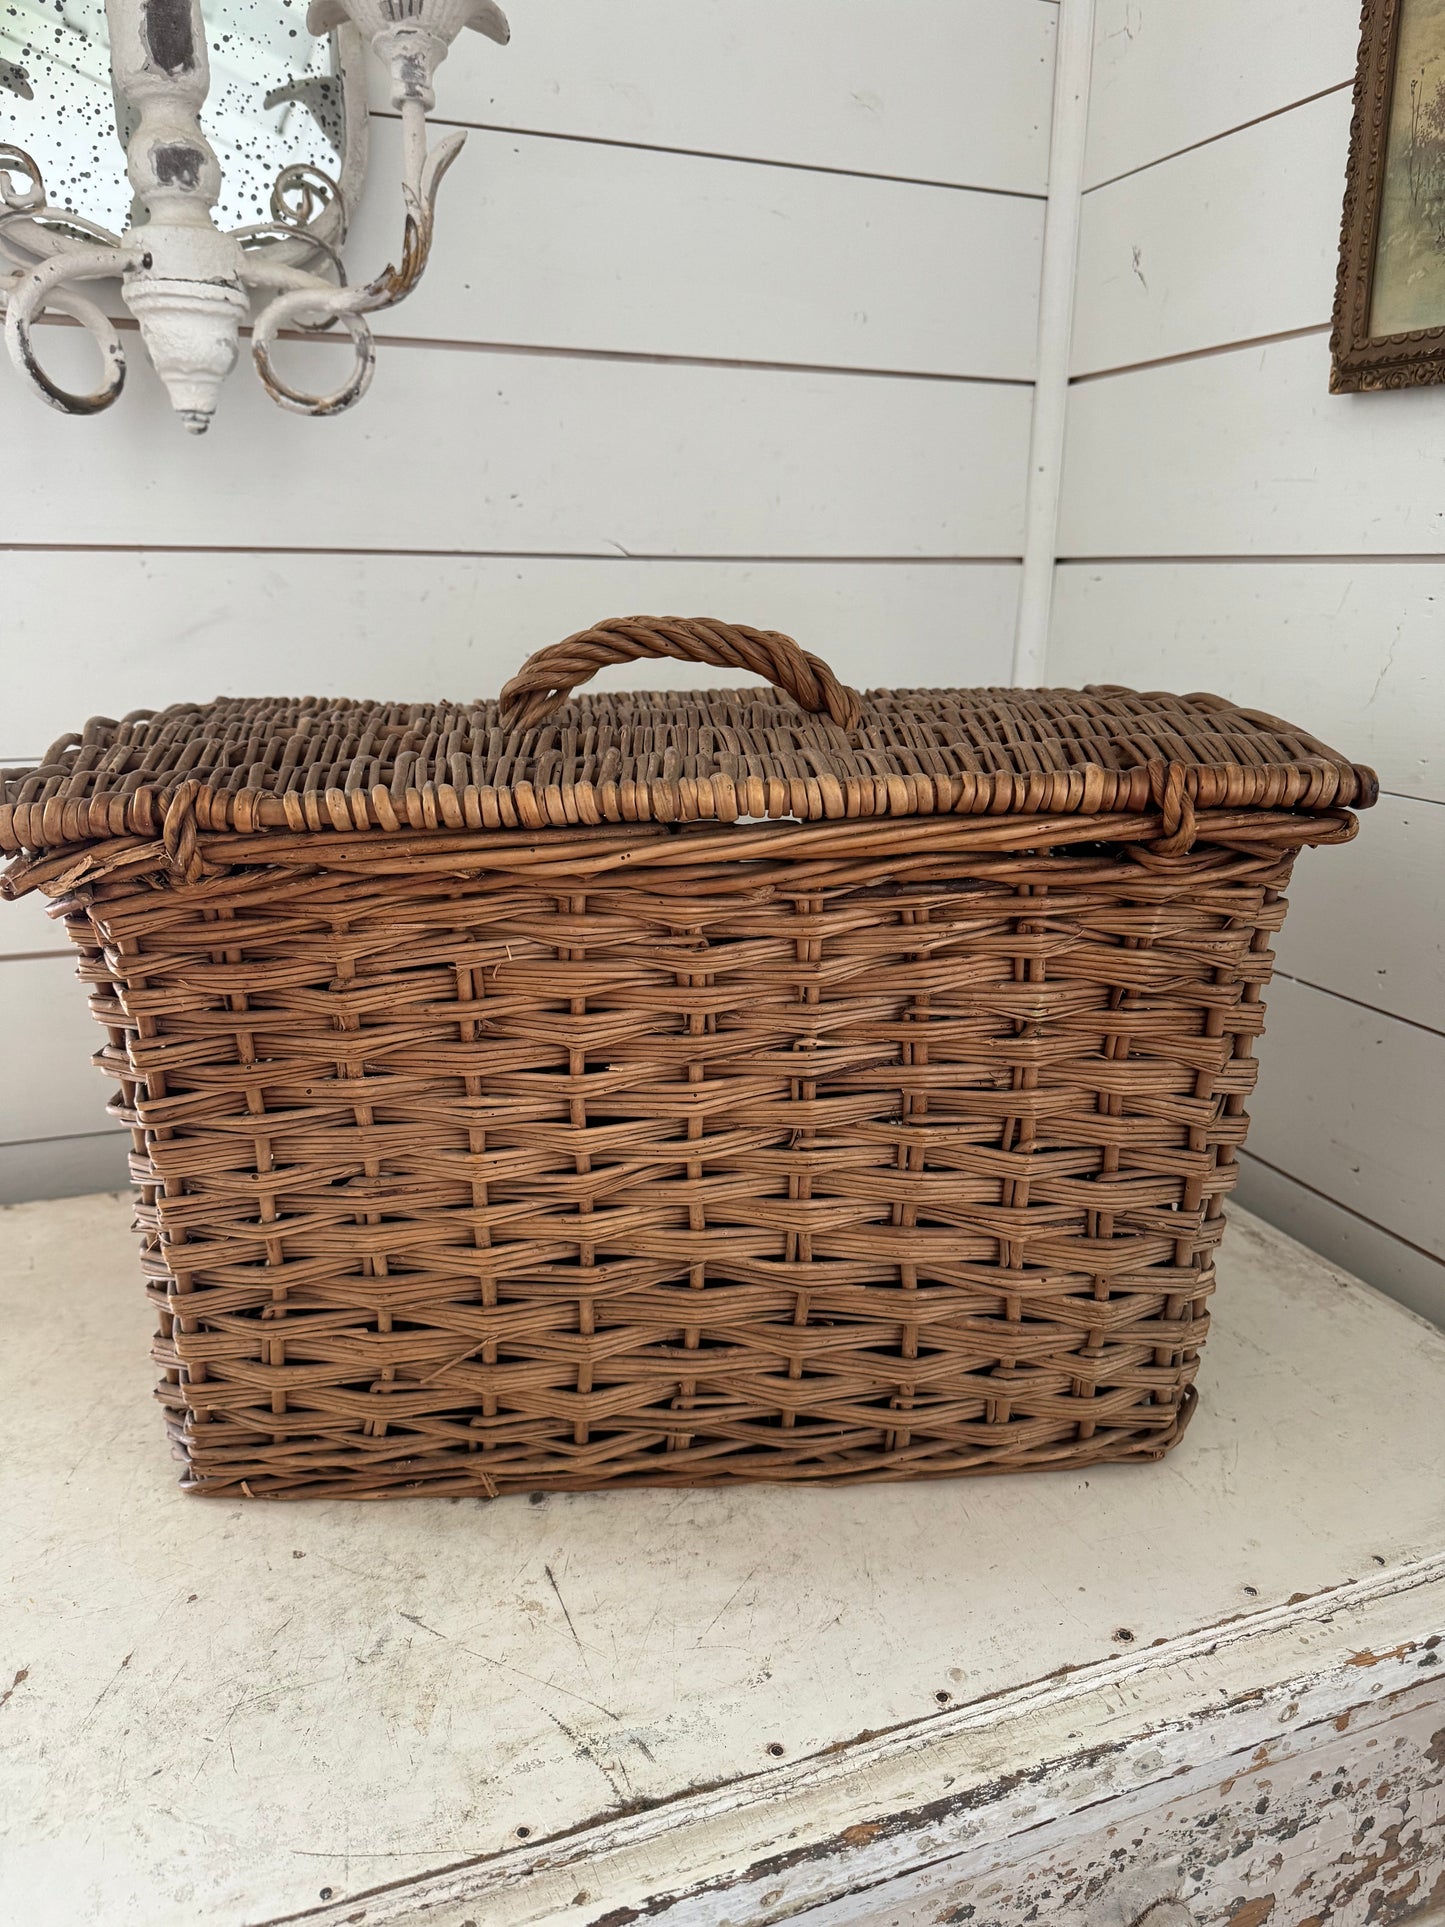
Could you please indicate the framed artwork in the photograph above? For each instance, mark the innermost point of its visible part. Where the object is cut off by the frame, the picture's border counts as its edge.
(1389, 319)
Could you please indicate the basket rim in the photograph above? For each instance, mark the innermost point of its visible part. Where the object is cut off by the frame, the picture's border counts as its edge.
(312, 764)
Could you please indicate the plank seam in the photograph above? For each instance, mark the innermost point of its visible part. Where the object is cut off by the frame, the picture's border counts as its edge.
(647, 358)
(1201, 354)
(1329, 555)
(549, 351)
(713, 154)
(1224, 134)
(1374, 1009)
(64, 1137)
(1349, 1210)
(615, 554)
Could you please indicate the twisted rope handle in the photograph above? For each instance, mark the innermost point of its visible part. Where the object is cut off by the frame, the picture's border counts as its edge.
(546, 680)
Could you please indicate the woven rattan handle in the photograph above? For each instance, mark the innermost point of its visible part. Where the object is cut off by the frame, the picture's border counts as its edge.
(546, 680)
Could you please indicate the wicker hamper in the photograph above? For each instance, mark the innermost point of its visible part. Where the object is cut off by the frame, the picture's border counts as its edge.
(672, 1088)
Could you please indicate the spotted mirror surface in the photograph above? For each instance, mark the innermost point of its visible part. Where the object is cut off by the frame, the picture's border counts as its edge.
(275, 98)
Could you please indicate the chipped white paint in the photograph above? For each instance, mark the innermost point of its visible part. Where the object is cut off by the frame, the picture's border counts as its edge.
(226, 1708)
(926, 1813)
(1335, 1821)
(183, 279)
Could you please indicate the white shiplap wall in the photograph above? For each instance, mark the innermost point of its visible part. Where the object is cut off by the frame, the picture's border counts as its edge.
(703, 334)
(1228, 524)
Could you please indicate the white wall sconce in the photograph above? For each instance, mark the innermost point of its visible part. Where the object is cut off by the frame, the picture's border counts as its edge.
(187, 281)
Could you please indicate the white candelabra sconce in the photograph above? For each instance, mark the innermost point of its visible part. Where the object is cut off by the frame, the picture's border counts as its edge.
(188, 282)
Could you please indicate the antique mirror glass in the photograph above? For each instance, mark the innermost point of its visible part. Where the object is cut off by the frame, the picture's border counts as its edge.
(243, 132)
(276, 99)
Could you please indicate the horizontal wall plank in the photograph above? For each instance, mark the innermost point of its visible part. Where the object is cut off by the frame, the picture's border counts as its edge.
(63, 1167)
(1409, 1276)
(476, 451)
(1248, 453)
(1349, 651)
(1166, 75)
(568, 244)
(46, 1043)
(819, 83)
(1225, 243)
(1368, 921)
(1353, 1104)
(144, 630)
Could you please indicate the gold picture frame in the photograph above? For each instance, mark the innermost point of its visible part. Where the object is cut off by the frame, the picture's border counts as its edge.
(1389, 316)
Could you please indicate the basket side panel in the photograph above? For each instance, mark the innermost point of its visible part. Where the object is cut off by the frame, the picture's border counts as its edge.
(492, 1182)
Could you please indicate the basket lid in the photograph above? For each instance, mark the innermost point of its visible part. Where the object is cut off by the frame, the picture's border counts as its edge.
(809, 748)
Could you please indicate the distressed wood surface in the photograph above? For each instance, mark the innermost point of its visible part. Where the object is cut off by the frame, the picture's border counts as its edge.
(225, 1708)
(1167, 76)
(1336, 1821)
(906, 1828)
(827, 83)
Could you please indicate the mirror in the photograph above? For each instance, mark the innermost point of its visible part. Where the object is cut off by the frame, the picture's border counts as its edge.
(277, 99)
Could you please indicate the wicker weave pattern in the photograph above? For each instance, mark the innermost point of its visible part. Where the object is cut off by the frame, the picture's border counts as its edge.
(473, 1160)
(482, 1184)
(529, 763)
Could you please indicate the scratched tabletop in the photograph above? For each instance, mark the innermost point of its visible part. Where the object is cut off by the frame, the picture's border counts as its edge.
(218, 1711)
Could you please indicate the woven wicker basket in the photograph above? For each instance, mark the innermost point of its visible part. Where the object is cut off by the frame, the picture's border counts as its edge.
(513, 1109)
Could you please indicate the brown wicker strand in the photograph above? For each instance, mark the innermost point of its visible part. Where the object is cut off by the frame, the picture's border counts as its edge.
(676, 1088)
(547, 679)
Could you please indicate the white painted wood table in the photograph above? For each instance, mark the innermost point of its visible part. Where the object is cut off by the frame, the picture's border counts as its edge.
(1211, 1690)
